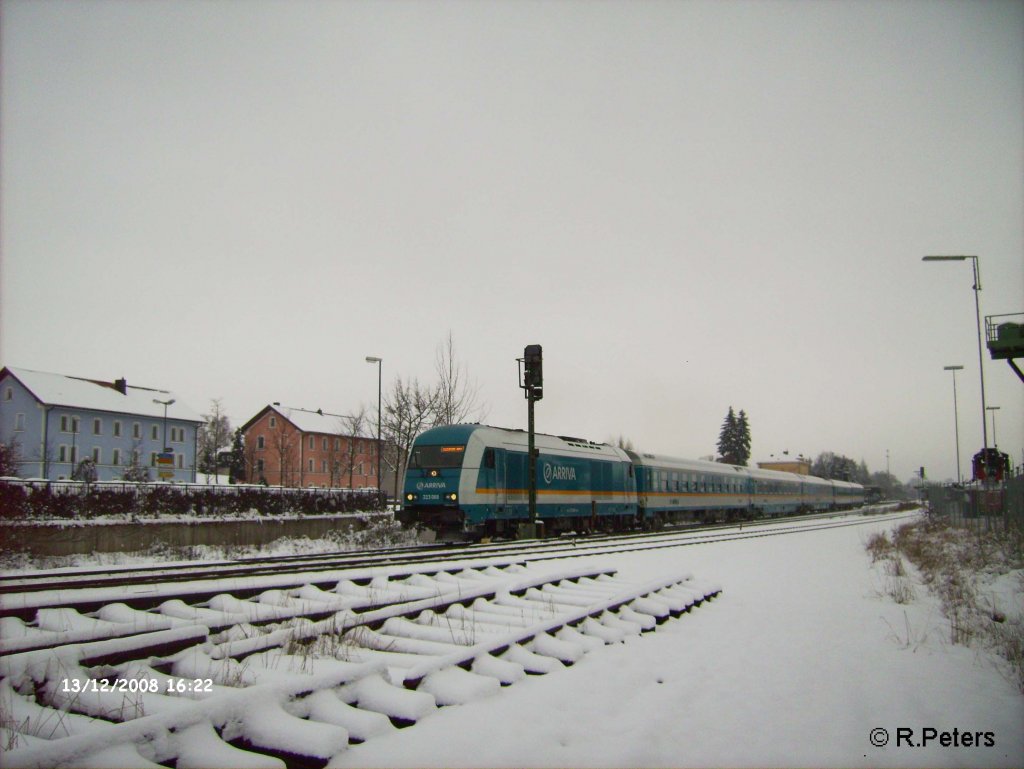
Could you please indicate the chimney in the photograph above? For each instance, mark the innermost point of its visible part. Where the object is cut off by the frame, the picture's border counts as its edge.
(121, 385)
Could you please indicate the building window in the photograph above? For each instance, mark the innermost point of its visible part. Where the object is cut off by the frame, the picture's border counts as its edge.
(116, 458)
(152, 459)
(325, 444)
(62, 453)
(259, 466)
(136, 430)
(97, 427)
(154, 432)
(273, 422)
(323, 466)
(312, 443)
(261, 443)
(96, 455)
(19, 422)
(9, 394)
(181, 461)
(117, 430)
(311, 465)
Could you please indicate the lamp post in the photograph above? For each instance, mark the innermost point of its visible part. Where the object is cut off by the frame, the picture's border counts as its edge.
(165, 404)
(956, 420)
(995, 440)
(379, 362)
(977, 312)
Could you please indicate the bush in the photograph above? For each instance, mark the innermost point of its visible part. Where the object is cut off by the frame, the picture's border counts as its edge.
(27, 500)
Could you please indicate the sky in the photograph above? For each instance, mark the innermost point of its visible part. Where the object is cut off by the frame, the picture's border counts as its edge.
(690, 206)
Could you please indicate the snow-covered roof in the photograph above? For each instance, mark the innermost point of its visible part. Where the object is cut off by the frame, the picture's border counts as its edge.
(95, 395)
(313, 421)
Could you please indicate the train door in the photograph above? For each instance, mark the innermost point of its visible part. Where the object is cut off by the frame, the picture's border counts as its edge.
(491, 484)
(500, 489)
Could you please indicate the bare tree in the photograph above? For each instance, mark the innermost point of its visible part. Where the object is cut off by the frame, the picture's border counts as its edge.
(408, 409)
(456, 394)
(134, 469)
(214, 435)
(351, 428)
(252, 457)
(283, 442)
(622, 442)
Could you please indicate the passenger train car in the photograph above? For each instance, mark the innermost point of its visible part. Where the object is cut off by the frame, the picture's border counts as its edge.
(472, 480)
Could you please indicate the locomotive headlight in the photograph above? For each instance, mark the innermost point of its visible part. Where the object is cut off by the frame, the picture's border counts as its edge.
(433, 473)
(410, 497)
(453, 497)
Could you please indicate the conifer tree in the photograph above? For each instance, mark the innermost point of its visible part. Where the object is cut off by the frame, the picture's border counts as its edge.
(743, 438)
(727, 439)
(734, 439)
(236, 465)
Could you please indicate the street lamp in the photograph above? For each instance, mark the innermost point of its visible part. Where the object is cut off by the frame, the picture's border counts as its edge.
(977, 311)
(378, 361)
(956, 420)
(165, 404)
(995, 440)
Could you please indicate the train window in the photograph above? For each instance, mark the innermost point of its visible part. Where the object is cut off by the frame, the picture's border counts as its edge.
(437, 456)
(488, 462)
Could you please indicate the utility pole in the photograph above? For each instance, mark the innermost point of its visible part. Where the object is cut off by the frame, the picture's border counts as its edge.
(532, 382)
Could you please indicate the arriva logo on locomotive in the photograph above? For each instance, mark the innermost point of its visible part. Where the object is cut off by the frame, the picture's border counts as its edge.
(430, 485)
(558, 473)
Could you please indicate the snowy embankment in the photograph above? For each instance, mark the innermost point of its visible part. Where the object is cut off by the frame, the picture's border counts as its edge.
(801, 661)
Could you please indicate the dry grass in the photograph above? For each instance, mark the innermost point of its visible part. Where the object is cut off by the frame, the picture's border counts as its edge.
(953, 563)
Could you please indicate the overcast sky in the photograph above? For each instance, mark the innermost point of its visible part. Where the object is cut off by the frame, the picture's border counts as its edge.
(690, 205)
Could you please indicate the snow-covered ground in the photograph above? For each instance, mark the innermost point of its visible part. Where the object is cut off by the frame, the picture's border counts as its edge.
(804, 660)
(800, 662)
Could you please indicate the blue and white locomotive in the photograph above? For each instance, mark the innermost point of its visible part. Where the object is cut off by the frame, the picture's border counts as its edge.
(472, 480)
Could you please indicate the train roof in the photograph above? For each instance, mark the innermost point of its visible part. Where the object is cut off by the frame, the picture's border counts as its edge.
(687, 465)
(460, 434)
(492, 435)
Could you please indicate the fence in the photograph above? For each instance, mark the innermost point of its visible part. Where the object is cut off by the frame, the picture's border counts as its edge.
(23, 499)
(988, 508)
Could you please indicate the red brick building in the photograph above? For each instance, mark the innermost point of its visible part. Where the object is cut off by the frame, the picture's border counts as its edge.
(295, 447)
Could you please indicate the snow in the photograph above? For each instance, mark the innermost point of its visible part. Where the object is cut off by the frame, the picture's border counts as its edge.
(796, 662)
(61, 390)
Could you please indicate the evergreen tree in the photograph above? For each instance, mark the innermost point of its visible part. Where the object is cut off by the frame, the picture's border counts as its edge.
(743, 438)
(727, 439)
(85, 472)
(214, 435)
(236, 465)
(734, 439)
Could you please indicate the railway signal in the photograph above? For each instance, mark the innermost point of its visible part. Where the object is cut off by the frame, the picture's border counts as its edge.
(531, 380)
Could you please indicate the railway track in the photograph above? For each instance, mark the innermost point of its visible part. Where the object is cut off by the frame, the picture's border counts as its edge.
(289, 667)
(299, 690)
(147, 590)
(283, 565)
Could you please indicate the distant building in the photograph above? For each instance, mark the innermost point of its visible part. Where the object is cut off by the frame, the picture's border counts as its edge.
(295, 447)
(56, 421)
(800, 466)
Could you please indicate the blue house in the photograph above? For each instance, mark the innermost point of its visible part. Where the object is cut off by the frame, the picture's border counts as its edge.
(53, 422)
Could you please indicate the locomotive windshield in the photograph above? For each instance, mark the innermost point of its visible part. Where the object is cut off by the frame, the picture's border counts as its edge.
(428, 457)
